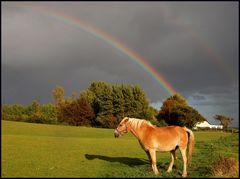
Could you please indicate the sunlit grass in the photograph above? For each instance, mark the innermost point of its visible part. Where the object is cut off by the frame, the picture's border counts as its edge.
(38, 150)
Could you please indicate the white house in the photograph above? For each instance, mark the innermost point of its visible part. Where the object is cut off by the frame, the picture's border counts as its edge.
(206, 124)
(217, 126)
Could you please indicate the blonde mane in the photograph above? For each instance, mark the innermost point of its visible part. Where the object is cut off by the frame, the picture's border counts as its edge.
(136, 123)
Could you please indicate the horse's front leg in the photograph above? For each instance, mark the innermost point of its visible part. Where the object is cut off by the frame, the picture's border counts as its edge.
(153, 159)
(147, 152)
(149, 157)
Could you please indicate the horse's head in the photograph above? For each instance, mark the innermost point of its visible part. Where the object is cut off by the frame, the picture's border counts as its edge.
(121, 128)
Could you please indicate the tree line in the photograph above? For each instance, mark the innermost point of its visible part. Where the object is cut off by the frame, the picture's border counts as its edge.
(33, 113)
(104, 105)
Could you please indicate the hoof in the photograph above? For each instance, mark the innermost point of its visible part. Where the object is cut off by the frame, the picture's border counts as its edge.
(184, 175)
(169, 171)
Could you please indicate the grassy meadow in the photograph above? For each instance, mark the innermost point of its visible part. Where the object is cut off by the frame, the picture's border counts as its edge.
(40, 150)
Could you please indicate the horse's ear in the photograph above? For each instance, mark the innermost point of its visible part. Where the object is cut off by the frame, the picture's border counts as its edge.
(126, 119)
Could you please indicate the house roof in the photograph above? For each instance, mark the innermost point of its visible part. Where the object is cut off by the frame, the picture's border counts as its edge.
(205, 124)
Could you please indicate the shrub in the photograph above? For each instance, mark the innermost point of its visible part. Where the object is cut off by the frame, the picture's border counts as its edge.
(225, 167)
(33, 113)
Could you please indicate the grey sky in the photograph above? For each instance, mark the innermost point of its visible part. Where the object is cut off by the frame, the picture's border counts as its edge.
(194, 45)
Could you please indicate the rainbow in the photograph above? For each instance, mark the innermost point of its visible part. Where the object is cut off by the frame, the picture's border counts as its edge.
(114, 42)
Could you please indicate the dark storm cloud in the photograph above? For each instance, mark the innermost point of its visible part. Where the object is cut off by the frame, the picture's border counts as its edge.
(194, 45)
(198, 97)
(224, 103)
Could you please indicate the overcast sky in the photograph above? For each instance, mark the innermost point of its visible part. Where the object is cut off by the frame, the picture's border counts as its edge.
(194, 45)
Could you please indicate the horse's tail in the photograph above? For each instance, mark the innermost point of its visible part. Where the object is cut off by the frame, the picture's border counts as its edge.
(191, 143)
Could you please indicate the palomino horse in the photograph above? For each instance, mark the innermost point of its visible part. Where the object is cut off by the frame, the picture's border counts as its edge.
(163, 139)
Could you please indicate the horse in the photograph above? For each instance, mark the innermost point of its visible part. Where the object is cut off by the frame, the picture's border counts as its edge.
(161, 139)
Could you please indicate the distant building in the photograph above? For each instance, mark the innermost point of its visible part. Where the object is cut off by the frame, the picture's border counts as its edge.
(206, 124)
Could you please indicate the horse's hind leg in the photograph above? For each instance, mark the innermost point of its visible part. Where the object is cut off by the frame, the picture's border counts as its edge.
(173, 156)
(154, 162)
(183, 152)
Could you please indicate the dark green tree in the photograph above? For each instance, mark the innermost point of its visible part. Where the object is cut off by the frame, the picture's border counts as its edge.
(113, 102)
(103, 101)
(176, 111)
(140, 103)
(88, 95)
(118, 103)
(129, 106)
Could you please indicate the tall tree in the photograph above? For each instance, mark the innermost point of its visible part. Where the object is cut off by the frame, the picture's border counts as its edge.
(88, 95)
(36, 115)
(103, 101)
(176, 111)
(112, 102)
(58, 95)
(118, 103)
(141, 103)
(129, 107)
(36, 107)
(224, 120)
(60, 102)
(78, 112)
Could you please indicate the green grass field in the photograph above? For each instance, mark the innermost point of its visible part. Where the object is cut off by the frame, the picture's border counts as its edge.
(39, 150)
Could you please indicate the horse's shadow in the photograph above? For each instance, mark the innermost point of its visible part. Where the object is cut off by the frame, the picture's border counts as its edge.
(124, 160)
